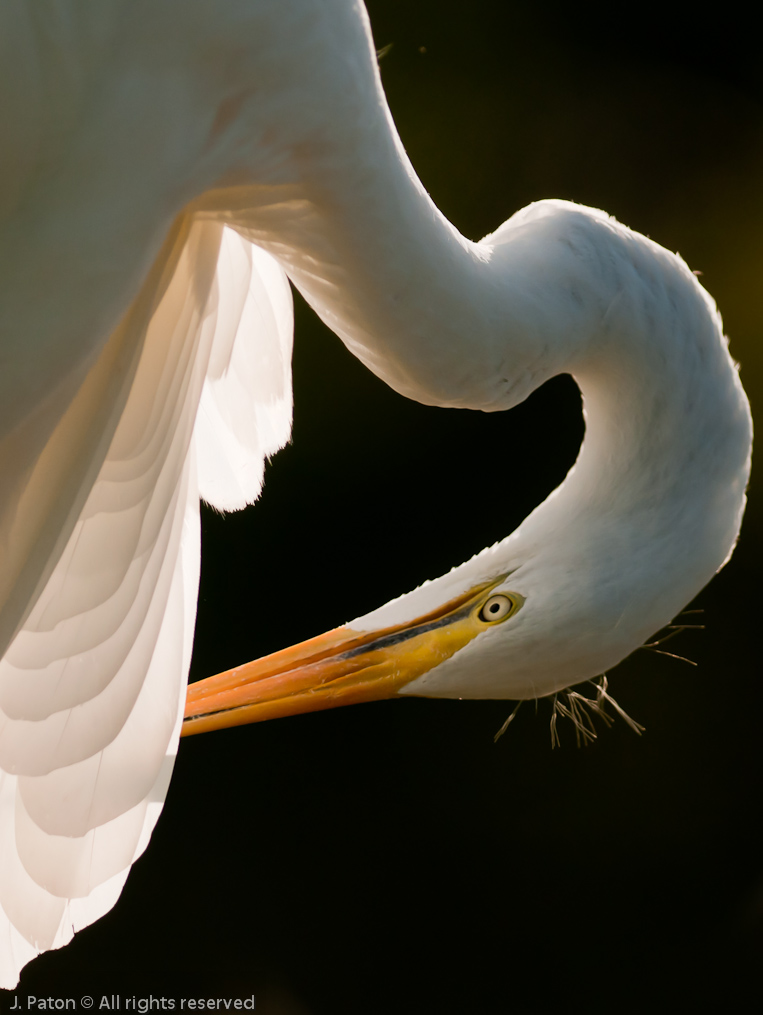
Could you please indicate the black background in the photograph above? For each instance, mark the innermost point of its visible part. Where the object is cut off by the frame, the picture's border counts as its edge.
(390, 858)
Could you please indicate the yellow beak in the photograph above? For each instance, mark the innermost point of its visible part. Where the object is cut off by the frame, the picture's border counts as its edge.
(341, 667)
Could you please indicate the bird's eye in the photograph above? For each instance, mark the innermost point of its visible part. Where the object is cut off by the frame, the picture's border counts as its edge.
(497, 608)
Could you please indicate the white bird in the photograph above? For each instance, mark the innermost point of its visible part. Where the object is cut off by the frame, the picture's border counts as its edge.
(169, 166)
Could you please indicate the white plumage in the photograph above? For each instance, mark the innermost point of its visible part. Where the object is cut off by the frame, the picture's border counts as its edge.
(92, 686)
(152, 365)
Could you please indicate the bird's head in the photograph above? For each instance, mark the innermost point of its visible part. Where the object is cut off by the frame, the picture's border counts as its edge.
(508, 624)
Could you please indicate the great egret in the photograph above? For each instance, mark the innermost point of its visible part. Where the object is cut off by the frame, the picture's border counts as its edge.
(156, 172)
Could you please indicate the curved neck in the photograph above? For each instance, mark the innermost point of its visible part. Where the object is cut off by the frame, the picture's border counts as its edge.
(558, 288)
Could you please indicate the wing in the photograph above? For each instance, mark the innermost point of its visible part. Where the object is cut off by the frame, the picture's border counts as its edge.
(92, 687)
(245, 411)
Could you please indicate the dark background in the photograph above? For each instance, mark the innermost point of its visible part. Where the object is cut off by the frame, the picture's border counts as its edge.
(390, 858)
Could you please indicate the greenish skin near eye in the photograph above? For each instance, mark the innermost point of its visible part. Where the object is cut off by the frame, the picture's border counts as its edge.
(498, 607)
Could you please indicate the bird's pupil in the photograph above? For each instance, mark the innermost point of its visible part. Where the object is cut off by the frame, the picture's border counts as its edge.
(494, 608)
